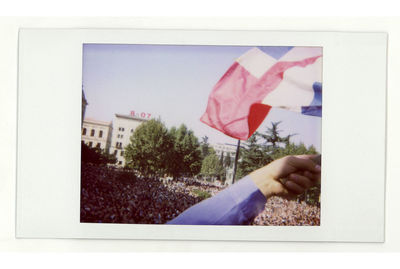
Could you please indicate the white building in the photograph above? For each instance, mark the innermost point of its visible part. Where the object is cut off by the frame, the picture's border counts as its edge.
(123, 128)
(97, 133)
(226, 148)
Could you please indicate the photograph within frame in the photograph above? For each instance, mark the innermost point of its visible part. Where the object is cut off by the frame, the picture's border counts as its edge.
(51, 80)
(165, 127)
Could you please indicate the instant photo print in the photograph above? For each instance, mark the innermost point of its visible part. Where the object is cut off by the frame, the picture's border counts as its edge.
(169, 134)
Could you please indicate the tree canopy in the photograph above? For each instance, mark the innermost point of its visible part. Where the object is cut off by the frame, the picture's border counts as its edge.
(150, 148)
(205, 147)
(185, 159)
(154, 150)
(211, 167)
(262, 148)
(228, 160)
(252, 156)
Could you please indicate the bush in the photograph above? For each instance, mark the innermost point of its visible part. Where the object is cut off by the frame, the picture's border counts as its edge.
(201, 194)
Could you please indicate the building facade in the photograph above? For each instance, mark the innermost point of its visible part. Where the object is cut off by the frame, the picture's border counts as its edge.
(226, 148)
(97, 134)
(123, 128)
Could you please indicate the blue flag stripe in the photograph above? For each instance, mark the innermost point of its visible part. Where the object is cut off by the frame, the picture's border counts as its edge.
(276, 52)
(317, 101)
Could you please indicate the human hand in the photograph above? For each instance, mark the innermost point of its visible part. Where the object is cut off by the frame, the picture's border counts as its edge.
(287, 176)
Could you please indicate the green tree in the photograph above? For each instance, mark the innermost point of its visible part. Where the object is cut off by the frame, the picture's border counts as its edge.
(222, 174)
(205, 146)
(221, 159)
(211, 167)
(252, 157)
(262, 148)
(228, 160)
(293, 149)
(150, 148)
(174, 164)
(272, 138)
(186, 156)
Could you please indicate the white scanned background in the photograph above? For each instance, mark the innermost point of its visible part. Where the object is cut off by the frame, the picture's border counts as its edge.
(8, 67)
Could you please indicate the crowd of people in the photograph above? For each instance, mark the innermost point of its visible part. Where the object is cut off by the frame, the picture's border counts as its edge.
(106, 197)
(188, 186)
(282, 212)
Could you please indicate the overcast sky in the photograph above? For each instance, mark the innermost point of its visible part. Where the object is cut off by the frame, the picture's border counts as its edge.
(171, 82)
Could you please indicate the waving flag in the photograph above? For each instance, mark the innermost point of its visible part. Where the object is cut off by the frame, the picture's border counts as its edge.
(262, 78)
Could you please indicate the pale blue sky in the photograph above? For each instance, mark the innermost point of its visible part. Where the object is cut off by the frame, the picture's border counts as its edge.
(172, 82)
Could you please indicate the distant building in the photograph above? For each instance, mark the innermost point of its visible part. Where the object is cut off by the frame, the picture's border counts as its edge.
(226, 148)
(97, 134)
(123, 128)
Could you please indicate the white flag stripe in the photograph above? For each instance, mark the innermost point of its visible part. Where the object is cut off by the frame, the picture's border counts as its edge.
(256, 62)
(296, 88)
(289, 95)
(301, 53)
(305, 76)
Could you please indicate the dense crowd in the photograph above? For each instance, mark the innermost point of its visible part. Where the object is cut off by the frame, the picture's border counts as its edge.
(283, 212)
(106, 197)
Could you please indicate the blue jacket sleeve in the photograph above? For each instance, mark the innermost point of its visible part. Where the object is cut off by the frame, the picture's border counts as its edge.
(237, 205)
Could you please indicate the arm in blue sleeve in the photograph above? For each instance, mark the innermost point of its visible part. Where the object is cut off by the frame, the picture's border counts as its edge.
(237, 205)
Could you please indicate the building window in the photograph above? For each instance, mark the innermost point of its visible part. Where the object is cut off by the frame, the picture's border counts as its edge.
(92, 132)
(120, 162)
(101, 133)
(90, 144)
(84, 131)
(122, 153)
(98, 145)
(131, 130)
(115, 152)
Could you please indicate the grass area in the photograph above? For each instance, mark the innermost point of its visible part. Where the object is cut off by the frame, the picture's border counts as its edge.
(201, 194)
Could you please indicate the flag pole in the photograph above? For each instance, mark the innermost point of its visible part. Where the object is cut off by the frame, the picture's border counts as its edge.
(236, 160)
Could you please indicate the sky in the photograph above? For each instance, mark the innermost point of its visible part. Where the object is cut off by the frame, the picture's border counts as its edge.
(173, 83)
